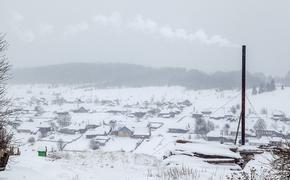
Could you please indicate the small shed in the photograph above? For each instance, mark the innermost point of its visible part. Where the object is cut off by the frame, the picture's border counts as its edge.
(42, 151)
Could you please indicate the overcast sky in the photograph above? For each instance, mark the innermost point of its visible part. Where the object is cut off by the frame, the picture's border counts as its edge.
(198, 34)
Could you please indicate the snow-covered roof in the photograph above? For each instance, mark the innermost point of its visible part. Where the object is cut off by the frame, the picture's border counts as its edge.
(141, 131)
(99, 130)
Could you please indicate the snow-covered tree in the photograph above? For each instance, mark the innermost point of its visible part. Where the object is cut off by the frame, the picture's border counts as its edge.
(203, 127)
(254, 91)
(260, 124)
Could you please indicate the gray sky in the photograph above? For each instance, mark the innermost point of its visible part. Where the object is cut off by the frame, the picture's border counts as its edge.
(199, 34)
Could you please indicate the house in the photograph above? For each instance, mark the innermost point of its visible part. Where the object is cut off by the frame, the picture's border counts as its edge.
(100, 131)
(276, 141)
(58, 101)
(177, 130)
(81, 110)
(155, 125)
(102, 141)
(92, 126)
(123, 132)
(197, 115)
(142, 133)
(139, 114)
(166, 114)
(219, 137)
(115, 111)
(287, 136)
(175, 110)
(185, 103)
(67, 131)
(249, 133)
(153, 111)
(217, 117)
(278, 116)
(39, 109)
(108, 103)
(74, 128)
(268, 133)
(27, 128)
(44, 129)
(206, 112)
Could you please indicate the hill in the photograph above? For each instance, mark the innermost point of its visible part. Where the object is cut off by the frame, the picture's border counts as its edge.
(130, 75)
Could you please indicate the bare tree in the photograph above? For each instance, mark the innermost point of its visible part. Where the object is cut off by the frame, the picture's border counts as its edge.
(260, 124)
(60, 144)
(5, 135)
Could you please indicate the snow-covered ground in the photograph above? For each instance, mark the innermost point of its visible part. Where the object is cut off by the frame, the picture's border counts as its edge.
(128, 158)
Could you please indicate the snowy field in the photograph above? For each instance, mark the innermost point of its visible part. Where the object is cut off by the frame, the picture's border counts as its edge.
(125, 157)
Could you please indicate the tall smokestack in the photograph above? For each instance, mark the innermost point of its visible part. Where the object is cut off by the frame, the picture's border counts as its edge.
(243, 94)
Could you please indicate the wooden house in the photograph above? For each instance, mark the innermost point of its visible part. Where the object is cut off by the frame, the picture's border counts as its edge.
(123, 132)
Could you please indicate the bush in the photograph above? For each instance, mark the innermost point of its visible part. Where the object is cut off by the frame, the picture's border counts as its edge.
(203, 127)
(60, 144)
(264, 111)
(260, 124)
(233, 109)
(94, 145)
(31, 140)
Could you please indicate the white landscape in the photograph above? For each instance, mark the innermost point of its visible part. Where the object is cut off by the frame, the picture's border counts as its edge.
(147, 133)
(144, 90)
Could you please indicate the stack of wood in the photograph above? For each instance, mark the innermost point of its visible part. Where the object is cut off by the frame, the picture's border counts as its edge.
(281, 164)
(5, 154)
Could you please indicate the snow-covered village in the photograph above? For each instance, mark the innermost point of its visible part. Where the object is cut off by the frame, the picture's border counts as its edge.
(142, 132)
(144, 90)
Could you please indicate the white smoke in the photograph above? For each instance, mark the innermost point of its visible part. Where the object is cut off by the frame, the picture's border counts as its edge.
(145, 25)
(150, 26)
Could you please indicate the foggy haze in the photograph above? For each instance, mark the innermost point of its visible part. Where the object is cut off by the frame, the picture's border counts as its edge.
(204, 35)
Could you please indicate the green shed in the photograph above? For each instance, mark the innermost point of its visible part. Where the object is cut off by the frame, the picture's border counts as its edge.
(42, 152)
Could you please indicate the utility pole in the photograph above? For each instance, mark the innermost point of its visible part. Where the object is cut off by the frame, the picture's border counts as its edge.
(243, 94)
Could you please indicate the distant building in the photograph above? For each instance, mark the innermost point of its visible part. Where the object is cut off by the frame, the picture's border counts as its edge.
(68, 131)
(206, 112)
(58, 101)
(197, 115)
(185, 103)
(81, 110)
(278, 116)
(102, 141)
(155, 125)
(166, 114)
(92, 126)
(139, 114)
(268, 133)
(177, 130)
